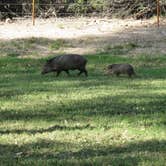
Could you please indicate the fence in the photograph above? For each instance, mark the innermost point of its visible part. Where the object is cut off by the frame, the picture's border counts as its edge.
(34, 8)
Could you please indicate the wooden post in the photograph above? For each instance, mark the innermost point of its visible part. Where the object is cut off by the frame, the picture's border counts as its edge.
(158, 13)
(33, 12)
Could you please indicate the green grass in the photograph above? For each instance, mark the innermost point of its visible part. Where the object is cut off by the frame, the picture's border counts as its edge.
(98, 120)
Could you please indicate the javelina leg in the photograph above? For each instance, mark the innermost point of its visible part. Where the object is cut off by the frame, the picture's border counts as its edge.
(80, 72)
(57, 74)
(83, 71)
(67, 72)
(130, 75)
(117, 74)
(86, 73)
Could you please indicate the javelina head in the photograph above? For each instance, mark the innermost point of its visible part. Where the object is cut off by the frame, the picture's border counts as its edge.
(47, 68)
(107, 70)
(110, 69)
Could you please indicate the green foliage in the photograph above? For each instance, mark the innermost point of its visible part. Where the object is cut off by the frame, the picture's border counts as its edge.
(112, 8)
(98, 120)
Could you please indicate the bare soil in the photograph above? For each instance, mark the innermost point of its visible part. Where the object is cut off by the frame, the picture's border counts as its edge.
(87, 35)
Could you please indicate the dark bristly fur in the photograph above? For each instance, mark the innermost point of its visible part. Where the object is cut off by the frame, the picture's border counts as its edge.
(65, 63)
(118, 69)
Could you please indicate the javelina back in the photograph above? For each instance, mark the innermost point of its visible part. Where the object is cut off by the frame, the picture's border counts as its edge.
(65, 63)
(118, 69)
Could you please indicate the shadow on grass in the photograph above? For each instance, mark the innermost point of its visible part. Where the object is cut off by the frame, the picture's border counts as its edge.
(127, 154)
(108, 106)
(50, 129)
(21, 84)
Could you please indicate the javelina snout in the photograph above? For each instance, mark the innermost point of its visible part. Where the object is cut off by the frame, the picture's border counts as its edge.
(118, 69)
(46, 69)
(65, 63)
(106, 71)
(43, 71)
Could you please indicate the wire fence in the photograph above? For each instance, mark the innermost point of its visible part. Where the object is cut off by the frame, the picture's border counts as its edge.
(48, 10)
(44, 10)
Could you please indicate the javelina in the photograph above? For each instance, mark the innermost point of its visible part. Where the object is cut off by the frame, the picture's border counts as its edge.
(120, 69)
(65, 63)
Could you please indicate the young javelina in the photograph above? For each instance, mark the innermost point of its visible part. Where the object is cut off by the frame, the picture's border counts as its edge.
(65, 63)
(118, 69)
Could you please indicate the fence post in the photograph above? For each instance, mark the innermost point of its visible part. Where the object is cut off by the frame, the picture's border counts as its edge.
(158, 13)
(33, 12)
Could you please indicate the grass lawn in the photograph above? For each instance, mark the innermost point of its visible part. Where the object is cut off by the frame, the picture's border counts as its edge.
(98, 120)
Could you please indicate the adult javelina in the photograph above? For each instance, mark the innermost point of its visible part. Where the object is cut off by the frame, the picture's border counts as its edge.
(65, 63)
(121, 69)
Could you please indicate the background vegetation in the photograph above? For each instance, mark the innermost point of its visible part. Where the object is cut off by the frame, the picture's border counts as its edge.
(111, 8)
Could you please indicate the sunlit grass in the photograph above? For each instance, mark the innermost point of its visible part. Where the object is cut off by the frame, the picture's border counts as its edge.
(98, 120)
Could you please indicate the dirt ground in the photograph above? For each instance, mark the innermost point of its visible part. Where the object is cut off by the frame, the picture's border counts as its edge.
(89, 35)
